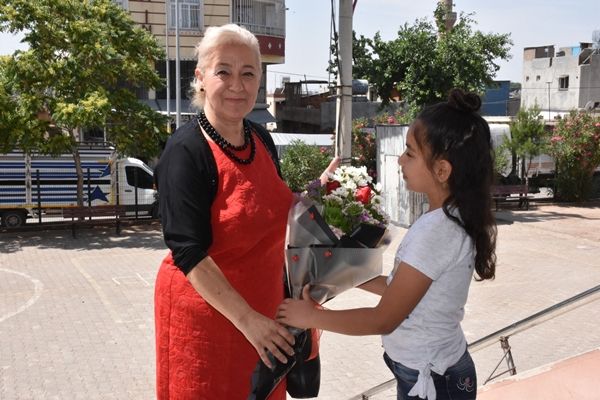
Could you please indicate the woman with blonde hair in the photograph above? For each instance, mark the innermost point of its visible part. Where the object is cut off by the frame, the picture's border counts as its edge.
(223, 208)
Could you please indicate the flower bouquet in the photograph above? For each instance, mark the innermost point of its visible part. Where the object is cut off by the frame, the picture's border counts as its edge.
(334, 236)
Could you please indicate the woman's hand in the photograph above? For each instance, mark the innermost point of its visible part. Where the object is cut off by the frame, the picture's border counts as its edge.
(266, 336)
(297, 313)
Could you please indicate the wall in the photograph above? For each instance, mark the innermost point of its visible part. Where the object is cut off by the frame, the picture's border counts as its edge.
(590, 82)
(403, 206)
(534, 89)
(561, 99)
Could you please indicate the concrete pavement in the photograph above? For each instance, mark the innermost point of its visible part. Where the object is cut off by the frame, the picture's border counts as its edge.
(76, 318)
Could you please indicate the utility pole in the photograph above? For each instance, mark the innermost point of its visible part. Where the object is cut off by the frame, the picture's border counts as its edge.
(177, 69)
(167, 66)
(343, 128)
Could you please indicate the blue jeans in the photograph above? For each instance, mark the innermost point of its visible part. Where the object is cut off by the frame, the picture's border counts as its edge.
(458, 383)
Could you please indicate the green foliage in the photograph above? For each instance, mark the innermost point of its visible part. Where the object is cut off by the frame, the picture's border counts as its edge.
(424, 62)
(575, 146)
(85, 59)
(502, 158)
(302, 163)
(527, 137)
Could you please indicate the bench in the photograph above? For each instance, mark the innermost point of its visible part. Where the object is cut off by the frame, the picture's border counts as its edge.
(84, 215)
(508, 193)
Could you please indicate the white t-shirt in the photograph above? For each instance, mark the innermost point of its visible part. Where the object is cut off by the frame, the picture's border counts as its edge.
(430, 338)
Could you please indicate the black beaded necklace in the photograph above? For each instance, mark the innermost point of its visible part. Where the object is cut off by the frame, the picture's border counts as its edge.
(226, 146)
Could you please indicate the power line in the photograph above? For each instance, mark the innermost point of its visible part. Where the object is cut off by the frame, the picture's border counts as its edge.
(295, 74)
(545, 89)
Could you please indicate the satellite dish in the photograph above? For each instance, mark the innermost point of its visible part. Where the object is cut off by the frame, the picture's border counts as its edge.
(590, 105)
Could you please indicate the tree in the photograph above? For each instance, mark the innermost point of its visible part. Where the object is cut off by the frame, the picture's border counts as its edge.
(575, 146)
(425, 61)
(85, 60)
(527, 139)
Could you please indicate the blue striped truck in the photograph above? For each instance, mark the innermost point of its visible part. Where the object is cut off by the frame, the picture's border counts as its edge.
(39, 186)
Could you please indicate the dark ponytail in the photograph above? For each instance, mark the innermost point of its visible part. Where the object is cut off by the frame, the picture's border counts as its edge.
(455, 132)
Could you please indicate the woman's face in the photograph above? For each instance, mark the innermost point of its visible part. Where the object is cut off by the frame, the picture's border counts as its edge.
(230, 80)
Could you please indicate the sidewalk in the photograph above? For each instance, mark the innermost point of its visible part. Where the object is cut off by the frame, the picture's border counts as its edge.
(76, 317)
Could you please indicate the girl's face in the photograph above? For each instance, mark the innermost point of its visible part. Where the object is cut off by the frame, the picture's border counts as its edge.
(413, 163)
(421, 176)
(230, 80)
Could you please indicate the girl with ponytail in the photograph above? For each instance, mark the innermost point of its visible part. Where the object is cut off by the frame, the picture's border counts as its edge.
(448, 157)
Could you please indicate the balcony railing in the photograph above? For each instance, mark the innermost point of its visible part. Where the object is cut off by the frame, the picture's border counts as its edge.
(503, 334)
(263, 17)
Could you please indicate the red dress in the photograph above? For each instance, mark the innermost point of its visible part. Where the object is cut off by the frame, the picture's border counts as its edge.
(200, 354)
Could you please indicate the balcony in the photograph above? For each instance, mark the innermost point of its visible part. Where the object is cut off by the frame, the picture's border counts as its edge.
(261, 17)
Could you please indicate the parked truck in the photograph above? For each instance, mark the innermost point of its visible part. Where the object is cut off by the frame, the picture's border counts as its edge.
(39, 186)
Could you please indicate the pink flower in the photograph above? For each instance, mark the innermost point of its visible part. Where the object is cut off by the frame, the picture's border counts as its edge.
(363, 194)
(391, 119)
(556, 138)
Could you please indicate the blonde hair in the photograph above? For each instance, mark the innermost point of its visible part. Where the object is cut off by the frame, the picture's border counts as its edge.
(214, 37)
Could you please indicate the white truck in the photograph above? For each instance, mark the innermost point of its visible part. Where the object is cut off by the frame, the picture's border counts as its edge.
(36, 186)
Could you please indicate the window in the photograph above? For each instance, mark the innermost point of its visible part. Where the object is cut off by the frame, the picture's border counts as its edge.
(186, 70)
(123, 3)
(190, 15)
(144, 179)
(563, 82)
(95, 134)
(537, 78)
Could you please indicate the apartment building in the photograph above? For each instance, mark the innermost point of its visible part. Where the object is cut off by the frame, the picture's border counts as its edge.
(561, 80)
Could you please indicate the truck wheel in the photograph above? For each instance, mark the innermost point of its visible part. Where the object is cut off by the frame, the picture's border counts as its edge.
(13, 219)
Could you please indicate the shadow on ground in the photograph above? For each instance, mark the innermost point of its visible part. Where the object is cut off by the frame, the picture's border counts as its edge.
(148, 236)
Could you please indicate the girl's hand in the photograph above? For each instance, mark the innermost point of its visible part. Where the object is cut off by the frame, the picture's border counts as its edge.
(297, 313)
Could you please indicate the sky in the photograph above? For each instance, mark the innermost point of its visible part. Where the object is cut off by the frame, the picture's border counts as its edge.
(529, 22)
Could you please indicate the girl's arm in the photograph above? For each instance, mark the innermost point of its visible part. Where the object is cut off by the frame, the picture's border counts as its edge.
(376, 285)
(262, 332)
(402, 295)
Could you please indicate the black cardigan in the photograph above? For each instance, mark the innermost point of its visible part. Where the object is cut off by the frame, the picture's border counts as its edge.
(186, 178)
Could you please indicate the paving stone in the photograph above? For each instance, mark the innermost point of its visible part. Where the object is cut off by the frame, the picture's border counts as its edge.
(76, 315)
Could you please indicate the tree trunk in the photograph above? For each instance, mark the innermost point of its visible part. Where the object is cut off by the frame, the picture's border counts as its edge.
(79, 171)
